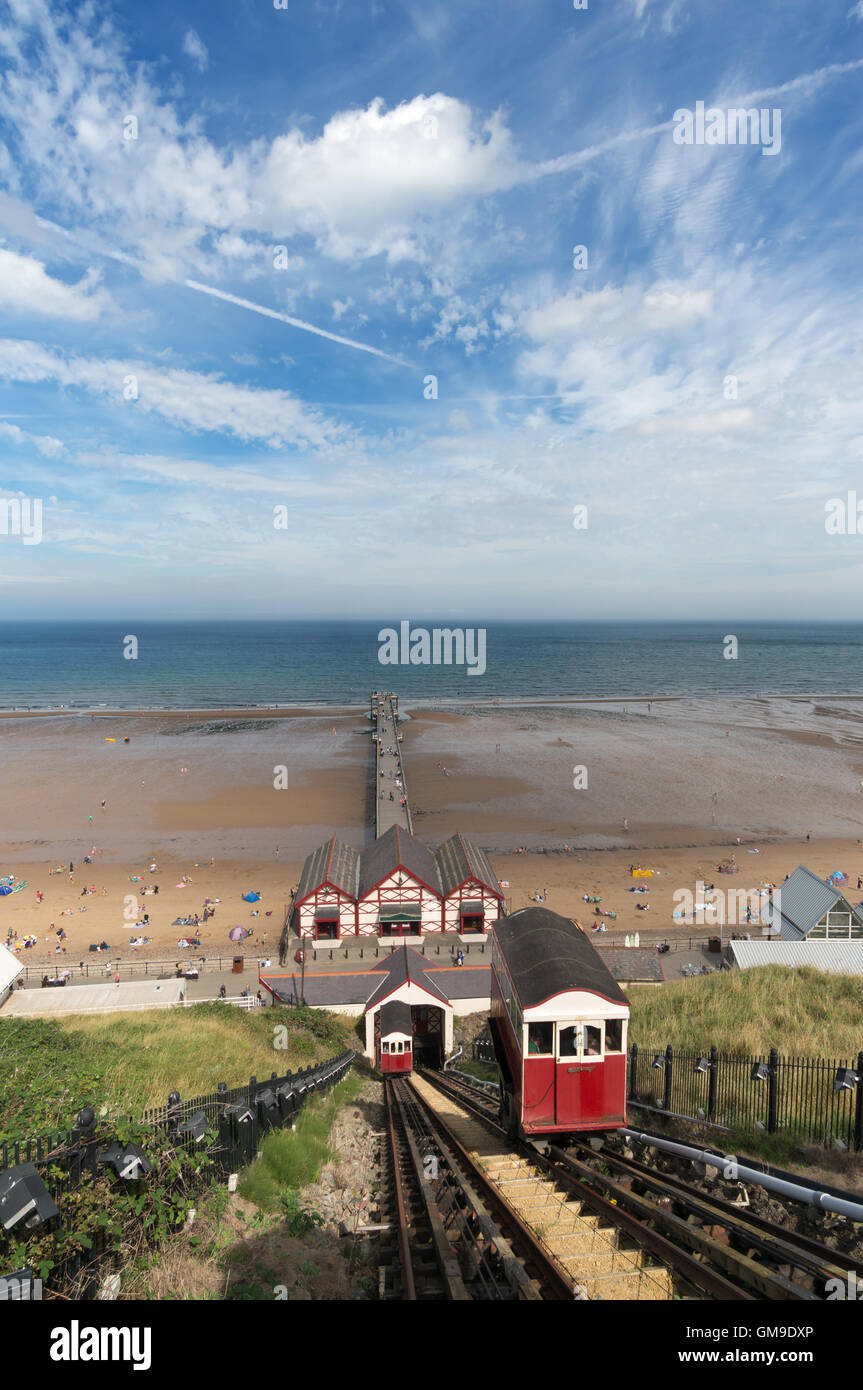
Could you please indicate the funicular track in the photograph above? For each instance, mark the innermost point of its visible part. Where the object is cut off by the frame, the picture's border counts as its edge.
(721, 1249)
(594, 1253)
(445, 1243)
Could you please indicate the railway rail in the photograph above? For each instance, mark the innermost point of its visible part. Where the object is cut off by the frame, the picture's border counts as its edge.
(588, 1255)
(446, 1245)
(714, 1247)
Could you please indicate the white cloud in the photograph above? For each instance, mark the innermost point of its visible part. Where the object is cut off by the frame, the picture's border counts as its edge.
(707, 422)
(195, 48)
(46, 445)
(188, 400)
(26, 287)
(371, 182)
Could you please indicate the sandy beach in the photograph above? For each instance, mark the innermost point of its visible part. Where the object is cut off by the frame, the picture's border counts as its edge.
(694, 780)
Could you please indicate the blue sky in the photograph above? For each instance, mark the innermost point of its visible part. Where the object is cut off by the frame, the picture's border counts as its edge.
(427, 170)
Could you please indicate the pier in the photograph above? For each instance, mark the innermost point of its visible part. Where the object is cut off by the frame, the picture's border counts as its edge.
(390, 784)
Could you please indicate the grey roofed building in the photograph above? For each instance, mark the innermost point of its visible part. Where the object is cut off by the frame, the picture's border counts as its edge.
(804, 901)
(396, 849)
(333, 862)
(406, 966)
(833, 957)
(458, 860)
(465, 982)
(320, 991)
(369, 986)
(633, 965)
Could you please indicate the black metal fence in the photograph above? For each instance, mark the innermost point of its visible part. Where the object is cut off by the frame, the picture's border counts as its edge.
(270, 1104)
(811, 1098)
(240, 1117)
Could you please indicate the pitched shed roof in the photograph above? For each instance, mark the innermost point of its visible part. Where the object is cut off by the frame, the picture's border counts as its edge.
(323, 991)
(458, 860)
(834, 957)
(406, 967)
(547, 954)
(466, 982)
(800, 903)
(332, 862)
(635, 966)
(397, 849)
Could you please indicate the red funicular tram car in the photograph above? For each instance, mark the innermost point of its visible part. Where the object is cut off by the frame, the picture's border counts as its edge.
(558, 1025)
(396, 1042)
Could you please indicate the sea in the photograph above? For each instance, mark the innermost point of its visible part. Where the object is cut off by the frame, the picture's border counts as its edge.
(218, 664)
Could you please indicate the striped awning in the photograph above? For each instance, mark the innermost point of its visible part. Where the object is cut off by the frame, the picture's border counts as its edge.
(411, 912)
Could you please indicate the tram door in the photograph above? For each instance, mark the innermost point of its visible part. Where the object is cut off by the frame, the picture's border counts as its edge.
(579, 1075)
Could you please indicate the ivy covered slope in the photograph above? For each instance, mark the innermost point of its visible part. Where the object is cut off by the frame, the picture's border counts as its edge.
(123, 1064)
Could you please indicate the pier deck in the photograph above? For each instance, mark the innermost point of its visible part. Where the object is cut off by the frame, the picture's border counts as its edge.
(390, 784)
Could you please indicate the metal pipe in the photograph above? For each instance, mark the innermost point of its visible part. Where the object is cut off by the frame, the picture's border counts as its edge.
(453, 1058)
(798, 1193)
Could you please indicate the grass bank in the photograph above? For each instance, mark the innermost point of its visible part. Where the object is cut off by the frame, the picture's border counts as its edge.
(122, 1064)
(290, 1159)
(799, 1011)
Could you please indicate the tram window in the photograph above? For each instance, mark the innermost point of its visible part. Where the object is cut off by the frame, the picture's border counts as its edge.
(592, 1040)
(614, 1035)
(539, 1039)
(385, 1047)
(569, 1041)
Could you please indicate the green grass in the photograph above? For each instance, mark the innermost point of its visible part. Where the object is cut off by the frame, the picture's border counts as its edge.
(123, 1064)
(290, 1159)
(801, 1012)
(486, 1071)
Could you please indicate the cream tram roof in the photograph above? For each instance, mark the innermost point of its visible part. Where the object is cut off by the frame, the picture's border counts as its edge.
(553, 965)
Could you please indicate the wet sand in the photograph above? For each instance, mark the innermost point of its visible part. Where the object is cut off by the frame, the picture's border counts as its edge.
(689, 777)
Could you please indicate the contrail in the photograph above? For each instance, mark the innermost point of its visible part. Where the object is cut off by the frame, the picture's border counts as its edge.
(93, 245)
(571, 161)
(294, 323)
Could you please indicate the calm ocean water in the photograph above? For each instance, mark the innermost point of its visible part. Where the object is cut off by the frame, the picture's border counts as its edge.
(214, 664)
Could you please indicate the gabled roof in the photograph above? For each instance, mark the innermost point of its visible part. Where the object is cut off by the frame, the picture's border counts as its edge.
(405, 967)
(396, 849)
(459, 860)
(800, 903)
(548, 954)
(332, 862)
